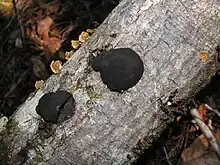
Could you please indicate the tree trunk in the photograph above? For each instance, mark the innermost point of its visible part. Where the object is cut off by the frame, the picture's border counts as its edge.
(113, 128)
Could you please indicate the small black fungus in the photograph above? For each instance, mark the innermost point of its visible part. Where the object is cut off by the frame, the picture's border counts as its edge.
(56, 107)
(120, 69)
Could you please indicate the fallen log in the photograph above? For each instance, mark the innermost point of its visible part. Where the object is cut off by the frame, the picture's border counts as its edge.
(110, 127)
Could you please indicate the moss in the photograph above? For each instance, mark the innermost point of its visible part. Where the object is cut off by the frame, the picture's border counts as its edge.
(3, 122)
(91, 93)
(78, 85)
(5, 149)
(10, 127)
(217, 14)
(6, 7)
(5, 145)
(81, 58)
(73, 88)
(38, 157)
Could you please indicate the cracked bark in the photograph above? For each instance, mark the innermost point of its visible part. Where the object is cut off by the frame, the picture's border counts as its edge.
(112, 128)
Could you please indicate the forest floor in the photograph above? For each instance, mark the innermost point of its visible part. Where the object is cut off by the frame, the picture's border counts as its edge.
(35, 33)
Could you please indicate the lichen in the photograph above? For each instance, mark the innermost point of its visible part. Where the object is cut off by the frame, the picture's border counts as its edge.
(5, 137)
(91, 93)
(3, 122)
(77, 86)
(74, 88)
(38, 157)
(81, 58)
(217, 13)
(10, 127)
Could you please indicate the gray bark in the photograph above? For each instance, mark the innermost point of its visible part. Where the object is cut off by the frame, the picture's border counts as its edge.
(112, 128)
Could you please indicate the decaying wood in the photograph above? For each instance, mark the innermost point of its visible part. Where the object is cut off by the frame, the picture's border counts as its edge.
(112, 128)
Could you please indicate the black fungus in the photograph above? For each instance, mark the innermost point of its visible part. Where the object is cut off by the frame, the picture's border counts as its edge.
(56, 107)
(120, 69)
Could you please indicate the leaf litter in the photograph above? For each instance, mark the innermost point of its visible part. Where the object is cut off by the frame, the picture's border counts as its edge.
(49, 27)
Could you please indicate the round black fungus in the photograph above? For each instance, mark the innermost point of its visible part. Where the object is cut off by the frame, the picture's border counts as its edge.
(120, 69)
(56, 107)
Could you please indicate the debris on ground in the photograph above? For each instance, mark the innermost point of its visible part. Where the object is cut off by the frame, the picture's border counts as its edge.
(34, 34)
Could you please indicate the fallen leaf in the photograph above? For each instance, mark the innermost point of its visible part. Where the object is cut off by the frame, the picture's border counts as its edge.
(197, 153)
(204, 141)
(56, 66)
(204, 56)
(217, 134)
(55, 32)
(51, 45)
(44, 27)
(202, 111)
(53, 7)
(34, 37)
(23, 3)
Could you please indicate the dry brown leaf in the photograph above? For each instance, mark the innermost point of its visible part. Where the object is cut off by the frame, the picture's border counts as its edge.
(34, 37)
(53, 7)
(56, 66)
(202, 111)
(197, 153)
(24, 3)
(204, 141)
(44, 27)
(204, 56)
(217, 134)
(55, 32)
(83, 36)
(51, 45)
(39, 84)
(31, 33)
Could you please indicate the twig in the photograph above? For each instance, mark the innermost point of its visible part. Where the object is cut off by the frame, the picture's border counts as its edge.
(205, 130)
(213, 110)
(3, 103)
(168, 160)
(19, 20)
(15, 85)
(9, 24)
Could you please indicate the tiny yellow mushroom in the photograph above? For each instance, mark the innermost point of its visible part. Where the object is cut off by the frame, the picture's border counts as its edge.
(39, 84)
(83, 36)
(56, 66)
